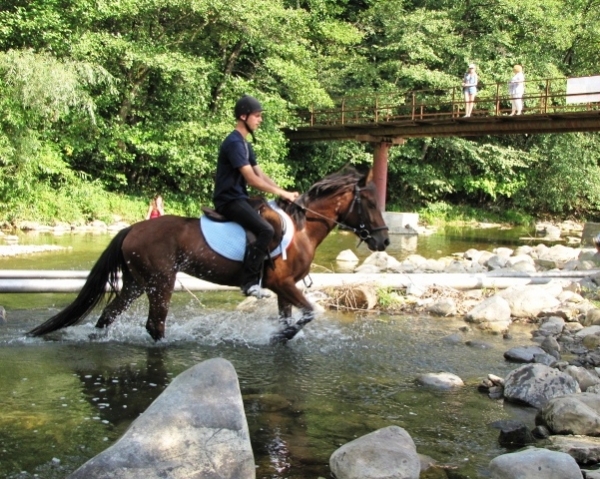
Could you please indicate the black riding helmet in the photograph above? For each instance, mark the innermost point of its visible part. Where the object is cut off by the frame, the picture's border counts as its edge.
(246, 105)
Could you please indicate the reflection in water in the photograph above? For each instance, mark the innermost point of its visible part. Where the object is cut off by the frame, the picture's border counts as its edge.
(127, 391)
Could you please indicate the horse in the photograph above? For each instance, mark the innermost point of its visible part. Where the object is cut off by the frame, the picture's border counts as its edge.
(149, 254)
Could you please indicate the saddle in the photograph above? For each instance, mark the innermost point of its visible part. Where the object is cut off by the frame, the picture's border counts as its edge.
(265, 210)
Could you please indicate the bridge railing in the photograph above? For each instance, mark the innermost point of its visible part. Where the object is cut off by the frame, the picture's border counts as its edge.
(542, 97)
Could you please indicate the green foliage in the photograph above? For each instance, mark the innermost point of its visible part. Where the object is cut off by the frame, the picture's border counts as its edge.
(570, 184)
(388, 298)
(121, 99)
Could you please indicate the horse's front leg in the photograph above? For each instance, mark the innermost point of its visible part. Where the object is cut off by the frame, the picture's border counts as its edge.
(285, 310)
(289, 295)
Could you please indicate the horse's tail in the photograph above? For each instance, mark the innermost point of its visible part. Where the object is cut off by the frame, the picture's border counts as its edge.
(106, 270)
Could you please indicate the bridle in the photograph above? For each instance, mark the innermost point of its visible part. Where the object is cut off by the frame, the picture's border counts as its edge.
(362, 231)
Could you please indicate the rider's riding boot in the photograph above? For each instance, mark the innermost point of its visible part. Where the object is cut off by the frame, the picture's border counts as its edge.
(254, 260)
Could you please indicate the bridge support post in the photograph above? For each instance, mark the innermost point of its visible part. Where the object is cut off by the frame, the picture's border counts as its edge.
(380, 163)
(380, 168)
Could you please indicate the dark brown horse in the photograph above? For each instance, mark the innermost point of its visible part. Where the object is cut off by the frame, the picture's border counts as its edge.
(150, 253)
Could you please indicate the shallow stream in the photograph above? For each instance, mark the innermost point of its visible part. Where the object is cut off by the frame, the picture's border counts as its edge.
(66, 398)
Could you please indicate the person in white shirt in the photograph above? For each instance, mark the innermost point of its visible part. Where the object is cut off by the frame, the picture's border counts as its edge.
(516, 90)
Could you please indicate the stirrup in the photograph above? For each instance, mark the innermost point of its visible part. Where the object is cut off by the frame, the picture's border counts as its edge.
(256, 291)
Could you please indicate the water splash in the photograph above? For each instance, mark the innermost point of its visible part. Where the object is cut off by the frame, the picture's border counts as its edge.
(252, 324)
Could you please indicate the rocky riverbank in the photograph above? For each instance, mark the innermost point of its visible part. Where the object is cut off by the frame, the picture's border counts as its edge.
(559, 376)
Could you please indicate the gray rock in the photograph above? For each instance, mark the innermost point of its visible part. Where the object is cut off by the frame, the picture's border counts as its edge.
(592, 318)
(472, 254)
(585, 450)
(553, 325)
(440, 380)
(523, 354)
(544, 358)
(478, 344)
(196, 428)
(528, 302)
(443, 307)
(388, 453)
(493, 313)
(455, 338)
(585, 377)
(551, 346)
(534, 463)
(513, 434)
(496, 262)
(536, 384)
(572, 414)
(502, 251)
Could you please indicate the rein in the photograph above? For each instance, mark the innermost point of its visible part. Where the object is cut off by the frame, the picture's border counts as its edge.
(362, 231)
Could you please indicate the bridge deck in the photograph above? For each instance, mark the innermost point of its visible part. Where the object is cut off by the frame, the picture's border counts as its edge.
(549, 108)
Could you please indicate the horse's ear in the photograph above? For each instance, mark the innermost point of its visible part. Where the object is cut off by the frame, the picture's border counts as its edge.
(367, 178)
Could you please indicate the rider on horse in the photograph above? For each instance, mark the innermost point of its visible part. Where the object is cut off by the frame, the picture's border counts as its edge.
(236, 169)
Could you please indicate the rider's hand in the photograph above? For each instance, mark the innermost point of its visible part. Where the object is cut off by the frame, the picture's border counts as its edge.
(290, 196)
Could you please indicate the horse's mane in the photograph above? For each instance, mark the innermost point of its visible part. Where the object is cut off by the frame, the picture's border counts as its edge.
(336, 182)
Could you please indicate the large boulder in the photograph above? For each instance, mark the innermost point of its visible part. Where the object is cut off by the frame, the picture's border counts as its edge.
(534, 463)
(536, 384)
(388, 453)
(574, 414)
(196, 428)
(528, 302)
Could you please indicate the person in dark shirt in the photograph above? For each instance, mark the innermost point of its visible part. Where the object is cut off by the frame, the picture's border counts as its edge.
(236, 170)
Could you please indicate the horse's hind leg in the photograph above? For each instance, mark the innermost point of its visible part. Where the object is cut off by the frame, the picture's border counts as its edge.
(159, 296)
(128, 294)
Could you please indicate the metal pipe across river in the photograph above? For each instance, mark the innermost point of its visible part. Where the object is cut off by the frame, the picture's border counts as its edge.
(69, 281)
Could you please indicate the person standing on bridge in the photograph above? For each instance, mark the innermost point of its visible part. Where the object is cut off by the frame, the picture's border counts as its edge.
(516, 90)
(237, 168)
(469, 85)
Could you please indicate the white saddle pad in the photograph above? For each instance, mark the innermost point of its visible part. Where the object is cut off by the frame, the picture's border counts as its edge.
(229, 238)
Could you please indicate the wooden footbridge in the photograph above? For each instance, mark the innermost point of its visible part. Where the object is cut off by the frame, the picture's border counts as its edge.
(384, 119)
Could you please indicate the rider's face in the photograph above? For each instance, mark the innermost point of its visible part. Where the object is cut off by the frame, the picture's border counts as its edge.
(254, 120)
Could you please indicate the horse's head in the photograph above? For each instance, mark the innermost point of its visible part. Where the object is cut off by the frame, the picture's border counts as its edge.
(363, 216)
(347, 199)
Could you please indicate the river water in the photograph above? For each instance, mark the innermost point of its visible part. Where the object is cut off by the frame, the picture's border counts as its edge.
(68, 397)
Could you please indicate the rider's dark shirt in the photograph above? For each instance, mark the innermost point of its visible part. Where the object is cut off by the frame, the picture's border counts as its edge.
(230, 184)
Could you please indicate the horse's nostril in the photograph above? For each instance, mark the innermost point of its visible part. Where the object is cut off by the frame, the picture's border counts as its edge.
(386, 242)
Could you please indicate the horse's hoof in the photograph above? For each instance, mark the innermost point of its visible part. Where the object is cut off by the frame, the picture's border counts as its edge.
(99, 333)
(278, 338)
(286, 334)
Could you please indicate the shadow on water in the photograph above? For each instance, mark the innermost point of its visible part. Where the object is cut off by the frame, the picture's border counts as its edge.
(68, 397)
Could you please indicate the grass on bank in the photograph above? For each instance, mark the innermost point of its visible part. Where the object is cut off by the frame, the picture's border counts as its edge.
(442, 213)
(84, 203)
(80, 205)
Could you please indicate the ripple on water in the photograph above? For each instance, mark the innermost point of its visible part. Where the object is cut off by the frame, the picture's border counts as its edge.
(343, 376)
